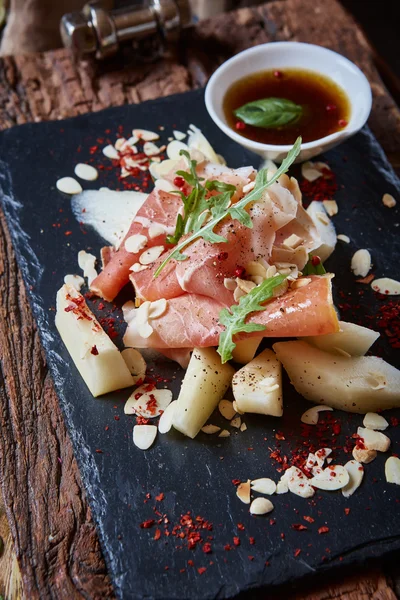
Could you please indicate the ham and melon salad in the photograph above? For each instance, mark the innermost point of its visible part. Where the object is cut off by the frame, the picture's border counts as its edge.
(217, 259)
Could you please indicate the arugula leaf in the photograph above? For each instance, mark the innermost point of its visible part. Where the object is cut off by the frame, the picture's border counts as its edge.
(311, 269)
(234, 318)
(221, 208)
(269, 113)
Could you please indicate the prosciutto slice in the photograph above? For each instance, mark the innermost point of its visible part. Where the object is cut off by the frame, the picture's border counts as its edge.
(192, 320)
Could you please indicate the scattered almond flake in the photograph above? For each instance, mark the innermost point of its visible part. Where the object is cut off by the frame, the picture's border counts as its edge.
(129, 311)
(145, 330)
(87, 263)
(376, 380)
(248, 187)
(361, 263)
(282, 487)
(386, 286)
(388, 200)
(86, 172)
(164, 185)
(264, 486)
(226, 409)
(135, 363)
(329, 461)
(179, 135)
(271, 271)
(174, 148)
(147, 404)
(210, 429)
(166, 419)
(374, 440)
(243, 491)
(236, 422)
(237, 410)
(120, 143)
(343, 238)
(69, 185)
(299, 283)
(261, 506)
(310, 417)
(254, 268)
(364, 455)
(312, 171)
(75, 280)
(301, 488)
(144, 436)
(243, 427)
(224, 433)
(135, 243)
(137, 267)
(334, 477)
(356, 474)
(157, 308)
(293, 241)
(145, 135)
(110, 152)
(156, 230)
(375, 421)
(150, 149)
(257, 279)
(230, 284)
(392, 470)
(331, 207)
(321, 455)
(244, 285)
(150, 255)
(132, 141)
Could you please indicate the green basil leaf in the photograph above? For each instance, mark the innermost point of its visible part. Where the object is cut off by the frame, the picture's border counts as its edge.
(269, 113)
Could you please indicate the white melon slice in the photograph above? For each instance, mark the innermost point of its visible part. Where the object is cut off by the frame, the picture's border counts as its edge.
(325, 229)
(352, 339)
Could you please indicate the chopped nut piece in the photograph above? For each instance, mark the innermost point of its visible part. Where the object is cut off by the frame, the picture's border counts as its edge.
(210, 429)
(226, 409)
(282, 487)
(331, 207)
(392, 470)
(310, 417)
(144, 436)
(386, 286)
(293, 241)
(243, 427)
(374, 440)
(235, 406)
(224, 433)
(261, 506)
(375, 421)
(145, 135)
(356, 474)
(364, 455)
(150, 149)
(264, 486)
(388, 200)
(361, 263)
(237, 294)
(248, 187)
(243, 492)
(137, 267)
(156, 230)
(236, 422)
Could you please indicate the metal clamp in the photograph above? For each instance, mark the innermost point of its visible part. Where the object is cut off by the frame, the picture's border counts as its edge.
(98, 31)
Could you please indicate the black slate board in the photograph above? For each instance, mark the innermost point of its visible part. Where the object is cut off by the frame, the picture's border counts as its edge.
(197, 475)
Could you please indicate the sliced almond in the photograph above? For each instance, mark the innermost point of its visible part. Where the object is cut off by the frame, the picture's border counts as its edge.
(174, 148)
(310, 172)
(145, 135)
(137, 267)
(293, 241)
(302, 282)
(164, 185)
(69, 185)
(236, 422)
(237, 294)
(129, 311)
(301, 488)
(343, 238)
(386, 286)
(150, 404)
(334, 477)
(361, 263)
(224, 433)
(244, 285)
(331, 207)
(374, 440)
(230, 284)
(375, 421)
(282, 487)
(150, 149)
(120, 142)
(310, 417)
(271, 271)
(150, 255)
(86, 172)
(226, 409)
(157, 308)
(145, 330)
(364, 455)
(210, 429)
(356, 474)
(254, 268)
(166, 419)
(75, 280)
(156, 230)
(261, 506)
(388, 200)
(321, 455)
(135, 363)
(86, 262)
(144, 436)
(264, 486)
(243, 492)
(179, 135)
(392, 470)
(135, 243)
(110, 152)
(243, 427)
(311, 461)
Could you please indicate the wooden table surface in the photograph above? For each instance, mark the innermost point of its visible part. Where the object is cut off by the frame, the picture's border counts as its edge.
(50, 546)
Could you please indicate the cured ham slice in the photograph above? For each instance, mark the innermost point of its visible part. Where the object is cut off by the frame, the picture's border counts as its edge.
(192, 320)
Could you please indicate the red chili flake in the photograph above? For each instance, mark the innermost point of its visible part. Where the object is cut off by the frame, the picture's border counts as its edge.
(299, 527)
(142, 421)
(93, 149)
(266, 563)
(323, 529)
(330, 107)
(315, 261)
(182, 570)
(240, 125)
(201, 570)
(236, 541)
(99, 451)
(190, 563)
(272, 521)
(347, 511)
(68, 233)
(394, 421)
(250, 557)
(222, 256)
(337, 428)
(101, 306)
(236, 481)
(94, 350)
(297, 552)
(160, 497)
(157, 534)
(147, 524)
(323, 188)
(116, 418)
(106, 428)
(252, 541)
(227, 547)
(282, 536)
(207, 548)
(278, 74)
(308, 519)
(179, 181)
(239, 272)
(279, 436)
(240, 526)
(166, 568)
(342, 123)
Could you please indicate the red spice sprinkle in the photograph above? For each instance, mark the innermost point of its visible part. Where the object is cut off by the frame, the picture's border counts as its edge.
(323, 529)
(250, 557)
(308, 519)
(68, 233)
(240, 526)
(207, 548)
(179, 181)
(252, 541)
(347, 511)
(99, 451)
(116, 418)
(227, 547)
(236, 482)
(282, 536)
(190, 563)
(94, 350)
(222, 256)
(330, 107)
(157, 534)
(297, 552)
(182, 570)
(160, 497)
(240, 125)
(278, 74)
(323, 188)
(142, 421)
(147, 524)
(201, 570)
(299, 527)
(272, 521)
(236, 541)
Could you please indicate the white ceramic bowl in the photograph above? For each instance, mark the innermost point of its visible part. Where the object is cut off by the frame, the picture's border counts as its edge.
(280, 55)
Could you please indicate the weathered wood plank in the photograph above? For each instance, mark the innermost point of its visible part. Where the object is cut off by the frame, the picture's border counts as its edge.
(54, 536)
